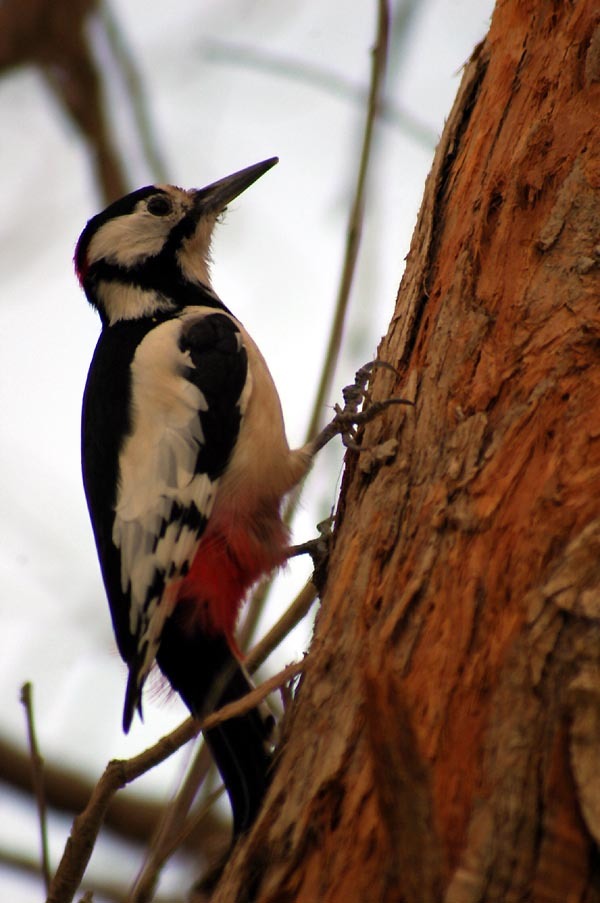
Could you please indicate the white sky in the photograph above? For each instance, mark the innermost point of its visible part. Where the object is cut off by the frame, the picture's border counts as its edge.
(278, 257)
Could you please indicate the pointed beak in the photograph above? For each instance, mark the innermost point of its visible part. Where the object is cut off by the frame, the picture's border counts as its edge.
(214, 198)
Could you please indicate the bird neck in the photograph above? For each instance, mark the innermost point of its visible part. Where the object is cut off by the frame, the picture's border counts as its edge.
(120, 302)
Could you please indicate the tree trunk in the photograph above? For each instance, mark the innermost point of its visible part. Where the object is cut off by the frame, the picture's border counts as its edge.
(445, 743)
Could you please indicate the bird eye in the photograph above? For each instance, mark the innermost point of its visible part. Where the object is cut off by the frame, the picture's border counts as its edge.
(159, 205)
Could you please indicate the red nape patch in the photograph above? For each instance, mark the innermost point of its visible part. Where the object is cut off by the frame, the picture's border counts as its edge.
(80, 261)
(222, 572)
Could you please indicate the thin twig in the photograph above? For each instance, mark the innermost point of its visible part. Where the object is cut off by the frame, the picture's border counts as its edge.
(170, 826)
(119, 773)
(286, 623)
(354, 230)
(173, 822)
(134, 84)
(28, 867)
(290, 618)
(320, 77)
(171, 839)
(353, 236)
(192, 822)
(254, 610)
(37, 778)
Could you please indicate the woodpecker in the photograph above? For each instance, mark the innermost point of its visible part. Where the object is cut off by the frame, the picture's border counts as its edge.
(185, 461)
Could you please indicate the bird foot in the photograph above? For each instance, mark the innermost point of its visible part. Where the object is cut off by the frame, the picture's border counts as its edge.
(348, 418)
(318, 549)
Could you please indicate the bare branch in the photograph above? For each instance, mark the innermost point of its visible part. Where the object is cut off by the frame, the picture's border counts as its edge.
(353, 235)
(354, 230)
(231, 53)
(286, 623)
(174, 833)
(37, 777)
(135, 87)
(173, 824)
(119, 773)
(130, 816)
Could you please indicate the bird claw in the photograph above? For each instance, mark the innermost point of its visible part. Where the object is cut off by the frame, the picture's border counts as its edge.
(348, 418)
(356, 393)
(318, 549)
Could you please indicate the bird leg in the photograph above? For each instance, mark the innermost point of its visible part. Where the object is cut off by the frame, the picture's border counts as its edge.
(348, 418)
(344, 424)
(317, 548)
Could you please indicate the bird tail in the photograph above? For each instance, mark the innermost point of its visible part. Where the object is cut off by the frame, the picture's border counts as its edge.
(206, 674)
(242, 752)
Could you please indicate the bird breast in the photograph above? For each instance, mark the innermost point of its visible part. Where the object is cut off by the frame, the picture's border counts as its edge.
(262, 468)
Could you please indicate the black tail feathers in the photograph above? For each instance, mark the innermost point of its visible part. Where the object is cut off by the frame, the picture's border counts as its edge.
(207, 675)
(241, 750)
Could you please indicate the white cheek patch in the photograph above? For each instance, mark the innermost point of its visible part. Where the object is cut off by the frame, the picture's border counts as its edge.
(125, 240)
(131, 238)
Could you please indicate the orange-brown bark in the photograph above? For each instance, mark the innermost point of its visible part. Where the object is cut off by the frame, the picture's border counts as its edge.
(446, 740)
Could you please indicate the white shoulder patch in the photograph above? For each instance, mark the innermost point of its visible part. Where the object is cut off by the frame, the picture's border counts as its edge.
(124, 301)
(157, 475)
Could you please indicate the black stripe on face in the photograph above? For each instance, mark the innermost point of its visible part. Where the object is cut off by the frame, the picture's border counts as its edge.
(158, 272)
(160, 275)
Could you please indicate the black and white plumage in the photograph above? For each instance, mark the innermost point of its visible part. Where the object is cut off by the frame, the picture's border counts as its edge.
(185, 460)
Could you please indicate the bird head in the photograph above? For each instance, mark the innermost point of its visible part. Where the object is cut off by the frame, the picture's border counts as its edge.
(149, 252)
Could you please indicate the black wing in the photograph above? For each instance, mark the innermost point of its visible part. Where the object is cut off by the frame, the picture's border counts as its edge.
(184, 380)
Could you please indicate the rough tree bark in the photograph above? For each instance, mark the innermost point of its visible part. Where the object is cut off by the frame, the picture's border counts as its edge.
(446, 740)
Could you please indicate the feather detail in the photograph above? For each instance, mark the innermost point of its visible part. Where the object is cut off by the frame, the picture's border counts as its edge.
(230, 559)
